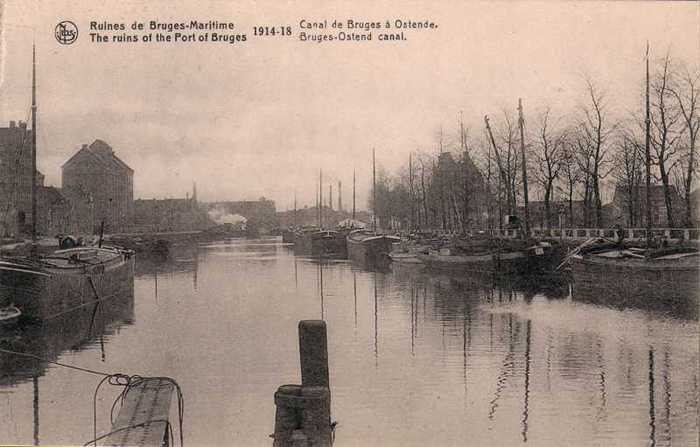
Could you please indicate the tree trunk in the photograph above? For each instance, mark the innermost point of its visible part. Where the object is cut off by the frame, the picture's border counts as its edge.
(689, 182)
(667, 194)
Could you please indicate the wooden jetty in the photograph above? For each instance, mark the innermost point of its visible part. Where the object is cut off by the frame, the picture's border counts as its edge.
(143, 420)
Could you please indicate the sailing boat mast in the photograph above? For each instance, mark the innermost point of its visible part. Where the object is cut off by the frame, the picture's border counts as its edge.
(320, 199)
(410, 191)
(647, 122)
(295, 208)
(521, 121)
(374, 193)
(353, 194)
(33, 143)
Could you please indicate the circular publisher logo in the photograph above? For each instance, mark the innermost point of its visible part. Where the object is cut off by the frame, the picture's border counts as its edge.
(66, 32)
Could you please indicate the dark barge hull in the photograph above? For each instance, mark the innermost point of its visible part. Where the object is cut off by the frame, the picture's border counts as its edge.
(45, 292)
(370, 250)
(631, 280)
(523, 262)
(325, 244)
(287, 236)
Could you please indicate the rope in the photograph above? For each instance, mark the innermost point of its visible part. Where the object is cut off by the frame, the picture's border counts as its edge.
(118, 379)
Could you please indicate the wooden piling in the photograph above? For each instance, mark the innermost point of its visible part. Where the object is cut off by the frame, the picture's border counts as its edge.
(316, 423)
(303, 412)
(313, 353)
(289, 404)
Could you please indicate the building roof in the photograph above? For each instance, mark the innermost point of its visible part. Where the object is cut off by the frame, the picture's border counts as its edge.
(104, 154)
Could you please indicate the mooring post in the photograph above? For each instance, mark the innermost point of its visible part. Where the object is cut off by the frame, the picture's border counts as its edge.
(316, 424)
(303, 415)
(315, 382)
(313, 353)
(288, 415)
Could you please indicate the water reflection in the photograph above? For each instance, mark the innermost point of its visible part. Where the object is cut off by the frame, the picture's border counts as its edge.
(418, 357)
(74, 331)
(47, 341)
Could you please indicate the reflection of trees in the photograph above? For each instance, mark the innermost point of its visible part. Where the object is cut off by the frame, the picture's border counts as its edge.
(73, 331)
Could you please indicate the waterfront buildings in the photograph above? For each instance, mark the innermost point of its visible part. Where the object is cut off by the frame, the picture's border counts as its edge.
(100, 188)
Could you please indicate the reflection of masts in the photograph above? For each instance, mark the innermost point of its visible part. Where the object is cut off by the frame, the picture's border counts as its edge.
(296, 275)
(35, 406)
(376, 341)
(354, 291)
(603, 393)
(413, 322)
(320, 278)
(652, 411)
(667, 397)
(155, 281)
(526, 400)
(506, 368)
(196, 269)
(466, 341)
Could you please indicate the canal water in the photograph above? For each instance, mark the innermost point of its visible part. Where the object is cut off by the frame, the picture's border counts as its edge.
(416, 358)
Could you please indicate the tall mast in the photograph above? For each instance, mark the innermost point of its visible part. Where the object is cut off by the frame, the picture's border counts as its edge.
(500, 170)
(647, 122)
(374, 193)
(320, 199)
(521, 121)
(410, 190)
(33, 143)
(353, 194)
(295, 208)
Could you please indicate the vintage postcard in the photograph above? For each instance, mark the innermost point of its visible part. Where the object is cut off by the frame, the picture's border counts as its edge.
(287, 224)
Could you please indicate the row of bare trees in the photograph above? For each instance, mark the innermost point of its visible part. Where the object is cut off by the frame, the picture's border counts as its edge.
(575, 162)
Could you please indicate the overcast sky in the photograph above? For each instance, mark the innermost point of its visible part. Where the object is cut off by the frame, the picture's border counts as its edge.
(261, 118)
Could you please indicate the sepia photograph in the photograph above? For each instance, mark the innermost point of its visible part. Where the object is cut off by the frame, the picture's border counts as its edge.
(370, 223)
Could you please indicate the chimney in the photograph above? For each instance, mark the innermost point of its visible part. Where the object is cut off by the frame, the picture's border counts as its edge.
(13, 124)
(22, 125)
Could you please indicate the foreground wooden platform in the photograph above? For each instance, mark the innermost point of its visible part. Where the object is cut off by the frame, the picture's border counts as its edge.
(142, 420)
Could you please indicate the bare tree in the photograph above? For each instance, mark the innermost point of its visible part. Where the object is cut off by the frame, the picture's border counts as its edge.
(595, 126)
(547, 156)
(686, 91)
(628, 172)
(665, 116)
(571, 176)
